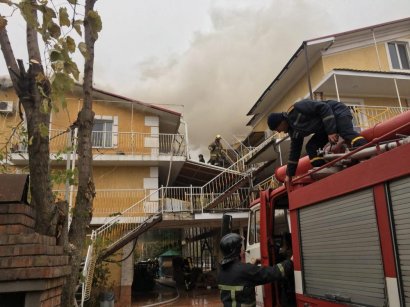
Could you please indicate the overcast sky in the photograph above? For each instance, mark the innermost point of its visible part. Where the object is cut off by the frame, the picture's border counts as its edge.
(212, 59)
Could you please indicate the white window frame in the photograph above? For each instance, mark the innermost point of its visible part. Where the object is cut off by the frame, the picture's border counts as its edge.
(114, 131)
(407, 41)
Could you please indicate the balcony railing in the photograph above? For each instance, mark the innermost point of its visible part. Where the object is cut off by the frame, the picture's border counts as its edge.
(367, 116)
(121, 143)
(109, 202)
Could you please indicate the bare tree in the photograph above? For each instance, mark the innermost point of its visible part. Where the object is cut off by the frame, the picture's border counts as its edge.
(86, 190)
(37, 93)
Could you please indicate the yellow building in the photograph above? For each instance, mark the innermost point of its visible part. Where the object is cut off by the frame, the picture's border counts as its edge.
(367, 68)
(134, 144)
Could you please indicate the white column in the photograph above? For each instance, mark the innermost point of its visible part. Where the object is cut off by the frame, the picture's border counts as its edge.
(337, 88)
(398, 95)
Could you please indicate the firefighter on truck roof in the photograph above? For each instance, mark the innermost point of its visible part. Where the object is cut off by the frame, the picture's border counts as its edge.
(237, 280)
(325, 119)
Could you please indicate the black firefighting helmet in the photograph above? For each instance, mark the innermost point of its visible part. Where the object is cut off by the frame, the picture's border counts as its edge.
(274, 119)
(231, 245)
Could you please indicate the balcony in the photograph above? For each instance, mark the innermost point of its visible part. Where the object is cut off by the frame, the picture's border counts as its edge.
(368, 116)
(125, 147)
(136, 204)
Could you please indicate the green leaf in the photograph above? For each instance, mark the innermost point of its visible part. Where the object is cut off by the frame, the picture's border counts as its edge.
(48, 15)
(83, 49)
(61, 85)
(63, 17)
(45, 107)
(95, 22)
(71, 68)
(72, 2)
(58, 66)
(1, 156)
(77, 26)
(70, 44)
(55, 55)
(54, 30)
(26, 10)
(43, 128)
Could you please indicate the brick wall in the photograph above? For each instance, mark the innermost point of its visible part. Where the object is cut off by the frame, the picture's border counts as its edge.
(30, 263)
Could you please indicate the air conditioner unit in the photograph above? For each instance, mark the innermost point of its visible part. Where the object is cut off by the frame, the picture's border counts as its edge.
(6, 106)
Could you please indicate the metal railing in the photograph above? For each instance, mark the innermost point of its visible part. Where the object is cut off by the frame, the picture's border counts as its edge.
(367, 116)
(171, 200)
(110, 201)
(120, 143)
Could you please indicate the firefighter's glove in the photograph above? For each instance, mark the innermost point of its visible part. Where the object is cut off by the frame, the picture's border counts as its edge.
(286, 268)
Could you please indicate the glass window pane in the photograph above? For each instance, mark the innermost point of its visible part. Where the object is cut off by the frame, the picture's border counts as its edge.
(404, 58)
(108, 126)
(108, 139)
(252, 228)
(98, 126)
(102, 133)
(97, 139)
(393, 55)
(258, 226)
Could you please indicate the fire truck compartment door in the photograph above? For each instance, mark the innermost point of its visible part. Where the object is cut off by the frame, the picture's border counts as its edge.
(400, 200)
(341, 256)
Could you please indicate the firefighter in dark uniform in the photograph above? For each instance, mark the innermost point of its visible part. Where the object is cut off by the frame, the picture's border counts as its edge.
(326, 120)
(237, 280)
(215, 151)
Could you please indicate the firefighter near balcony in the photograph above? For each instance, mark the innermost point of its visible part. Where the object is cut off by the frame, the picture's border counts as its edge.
(215, 152)
(237, 280)
(326, 120)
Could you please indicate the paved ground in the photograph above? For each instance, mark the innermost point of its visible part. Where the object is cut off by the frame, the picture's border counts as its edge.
(196, 297)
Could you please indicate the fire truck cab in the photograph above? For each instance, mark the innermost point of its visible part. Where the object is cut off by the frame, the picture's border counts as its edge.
(350, 234)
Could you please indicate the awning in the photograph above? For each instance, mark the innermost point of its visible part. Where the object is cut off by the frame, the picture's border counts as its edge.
(361, 83)
(196, 174)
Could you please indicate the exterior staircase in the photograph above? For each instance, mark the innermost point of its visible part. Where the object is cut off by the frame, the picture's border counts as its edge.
(225, 192)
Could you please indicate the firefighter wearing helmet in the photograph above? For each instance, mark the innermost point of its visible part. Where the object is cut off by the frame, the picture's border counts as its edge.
(215, 151)
(237, 280)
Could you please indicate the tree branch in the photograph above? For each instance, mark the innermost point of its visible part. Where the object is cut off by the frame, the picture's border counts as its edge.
(9, 56)
(32, 41)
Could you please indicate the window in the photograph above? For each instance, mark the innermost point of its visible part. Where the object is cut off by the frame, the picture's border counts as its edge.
(254, 227)
(102, 133)
(399, 55)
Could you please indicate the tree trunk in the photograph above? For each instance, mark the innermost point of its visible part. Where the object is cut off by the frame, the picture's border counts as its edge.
(33, 102)
(82, 212)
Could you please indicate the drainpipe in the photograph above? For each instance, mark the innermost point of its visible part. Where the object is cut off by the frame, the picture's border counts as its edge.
(377, 50)
(68, 167)
(192, 199)
(398, 95)
(73, 158)
(186, 137)
(308, 69)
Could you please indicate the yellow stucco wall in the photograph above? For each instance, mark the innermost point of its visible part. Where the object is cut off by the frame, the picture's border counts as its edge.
(298, 91)
(360, 58)
(8, 120)
(130, 119)
(117, 188)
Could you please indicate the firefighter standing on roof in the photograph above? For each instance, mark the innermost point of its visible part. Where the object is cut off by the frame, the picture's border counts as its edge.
(237, 280)
(325, 119)
(215, 150)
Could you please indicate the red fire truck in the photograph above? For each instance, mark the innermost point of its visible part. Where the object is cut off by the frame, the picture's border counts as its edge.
(350, 230)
